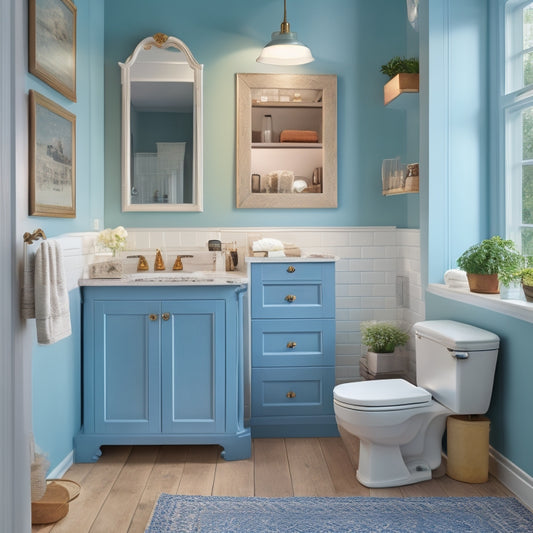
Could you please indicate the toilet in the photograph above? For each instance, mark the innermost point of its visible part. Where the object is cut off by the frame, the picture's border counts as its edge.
(400, 425)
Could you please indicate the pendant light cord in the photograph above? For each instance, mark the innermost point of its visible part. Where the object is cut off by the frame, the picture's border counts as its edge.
(285, 26)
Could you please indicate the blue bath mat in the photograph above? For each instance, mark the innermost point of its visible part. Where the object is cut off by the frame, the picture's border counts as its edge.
(201, 514)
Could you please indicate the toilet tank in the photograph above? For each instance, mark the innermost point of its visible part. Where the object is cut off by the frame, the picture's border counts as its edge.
(456, 363)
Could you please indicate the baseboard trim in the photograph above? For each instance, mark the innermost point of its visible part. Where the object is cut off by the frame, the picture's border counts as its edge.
(62, 467)
(516, 480)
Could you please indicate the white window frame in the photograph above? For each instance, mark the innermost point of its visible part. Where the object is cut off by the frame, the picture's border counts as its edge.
(514, 101)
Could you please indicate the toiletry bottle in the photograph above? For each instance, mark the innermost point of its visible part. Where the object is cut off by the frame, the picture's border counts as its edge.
(266, 130)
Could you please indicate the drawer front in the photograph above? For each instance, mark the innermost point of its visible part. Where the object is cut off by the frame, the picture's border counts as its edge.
(288, 271)
(292, 391)
(306, 294)
(286, 343)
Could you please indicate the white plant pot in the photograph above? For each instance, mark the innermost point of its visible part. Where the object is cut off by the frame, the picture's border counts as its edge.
(384, 362)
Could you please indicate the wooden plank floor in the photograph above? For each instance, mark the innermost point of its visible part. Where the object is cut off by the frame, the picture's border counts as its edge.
(119, 491)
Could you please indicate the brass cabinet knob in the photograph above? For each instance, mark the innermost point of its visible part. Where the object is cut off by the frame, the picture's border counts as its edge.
(290, 298)
(153, 317)
(291, 269)
(291, 344)
(291, 394)
(165, 316)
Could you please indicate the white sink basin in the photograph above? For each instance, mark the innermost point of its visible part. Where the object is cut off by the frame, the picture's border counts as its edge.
(172, 276)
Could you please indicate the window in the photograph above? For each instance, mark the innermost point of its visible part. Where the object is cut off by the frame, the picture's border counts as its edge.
(518, 113)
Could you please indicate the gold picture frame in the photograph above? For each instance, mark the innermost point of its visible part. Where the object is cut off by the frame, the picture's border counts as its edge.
(52, 44)
(52, 155)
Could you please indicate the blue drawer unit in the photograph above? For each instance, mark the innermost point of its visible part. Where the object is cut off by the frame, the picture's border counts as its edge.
(292, 348)
(163, 365)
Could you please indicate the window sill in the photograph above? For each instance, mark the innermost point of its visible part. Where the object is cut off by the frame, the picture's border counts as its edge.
(493, 302)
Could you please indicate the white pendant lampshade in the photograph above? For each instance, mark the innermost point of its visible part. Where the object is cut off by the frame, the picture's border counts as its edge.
(284, 47)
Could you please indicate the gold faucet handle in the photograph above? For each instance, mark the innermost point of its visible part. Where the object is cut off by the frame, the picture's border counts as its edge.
(142, 264)
(178, 264)
(159, 263)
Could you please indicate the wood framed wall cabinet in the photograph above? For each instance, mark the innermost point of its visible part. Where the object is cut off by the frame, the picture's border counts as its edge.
(286, 142)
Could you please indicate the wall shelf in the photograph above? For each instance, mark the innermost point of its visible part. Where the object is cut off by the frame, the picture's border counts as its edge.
(395, 192)
(400, 84)
(287, 145)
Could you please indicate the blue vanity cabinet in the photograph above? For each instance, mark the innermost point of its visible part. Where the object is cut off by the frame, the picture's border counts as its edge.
(163, 365)
(292, 348)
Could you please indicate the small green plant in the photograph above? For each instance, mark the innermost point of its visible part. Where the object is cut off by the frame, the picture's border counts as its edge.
(382, 337)
(513, 274)
(399, 65)
(526, 276)
(491, 256)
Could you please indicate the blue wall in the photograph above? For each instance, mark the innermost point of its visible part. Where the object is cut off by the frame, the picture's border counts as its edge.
(56, 368)
(349, 39)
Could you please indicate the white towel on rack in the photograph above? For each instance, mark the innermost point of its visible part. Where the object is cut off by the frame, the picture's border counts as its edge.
(52, 311)
(27, 304)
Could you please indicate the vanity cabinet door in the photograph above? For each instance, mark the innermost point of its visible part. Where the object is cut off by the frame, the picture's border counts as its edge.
(193, 366)
(126, 367)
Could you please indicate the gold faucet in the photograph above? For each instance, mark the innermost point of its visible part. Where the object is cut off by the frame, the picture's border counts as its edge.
(159, 263)
(178, 265)
(142, 263)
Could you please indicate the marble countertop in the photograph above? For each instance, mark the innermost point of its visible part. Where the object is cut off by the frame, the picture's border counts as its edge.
(157, 279)
(312, 258)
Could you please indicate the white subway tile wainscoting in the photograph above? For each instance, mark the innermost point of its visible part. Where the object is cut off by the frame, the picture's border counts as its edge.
(377, 273)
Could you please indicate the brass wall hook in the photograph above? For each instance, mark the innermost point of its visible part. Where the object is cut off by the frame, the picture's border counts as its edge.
(35, 236)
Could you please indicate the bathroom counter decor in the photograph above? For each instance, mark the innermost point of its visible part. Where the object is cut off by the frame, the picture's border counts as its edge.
(163, 365)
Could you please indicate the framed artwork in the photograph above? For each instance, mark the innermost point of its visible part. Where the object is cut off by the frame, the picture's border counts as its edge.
(52, 44)
(52, 159)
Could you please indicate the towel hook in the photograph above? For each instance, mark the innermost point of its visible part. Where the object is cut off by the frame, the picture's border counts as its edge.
(35, 236)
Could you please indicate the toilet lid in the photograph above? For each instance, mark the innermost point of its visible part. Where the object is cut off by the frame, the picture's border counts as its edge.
(381, 393)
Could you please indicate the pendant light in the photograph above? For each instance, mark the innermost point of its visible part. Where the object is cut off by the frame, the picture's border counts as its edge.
(285, 48)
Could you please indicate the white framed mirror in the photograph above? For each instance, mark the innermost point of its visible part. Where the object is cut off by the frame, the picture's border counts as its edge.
(162, 136)
(286, 140)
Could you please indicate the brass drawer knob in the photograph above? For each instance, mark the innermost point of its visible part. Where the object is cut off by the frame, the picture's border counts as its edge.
(291, 269)
(290, 298)
(291, 345)
(153, 317)
(165, 316)
(291, 394)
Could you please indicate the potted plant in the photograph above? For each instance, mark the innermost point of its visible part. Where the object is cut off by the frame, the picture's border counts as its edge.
(382, 340)
(403, 77)
(483, 262)
(526, 277)
(522, 277)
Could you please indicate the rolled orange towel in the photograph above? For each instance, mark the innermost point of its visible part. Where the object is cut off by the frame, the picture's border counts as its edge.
(298, 136)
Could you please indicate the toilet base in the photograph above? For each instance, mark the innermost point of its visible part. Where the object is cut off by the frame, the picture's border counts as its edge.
(383, 466)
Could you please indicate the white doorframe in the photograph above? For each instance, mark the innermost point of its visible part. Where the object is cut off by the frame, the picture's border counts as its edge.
(15, 361)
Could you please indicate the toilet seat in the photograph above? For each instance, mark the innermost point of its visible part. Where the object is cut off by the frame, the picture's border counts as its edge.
(378, 395)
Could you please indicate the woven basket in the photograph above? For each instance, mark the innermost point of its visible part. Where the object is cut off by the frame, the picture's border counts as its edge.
(54, 505)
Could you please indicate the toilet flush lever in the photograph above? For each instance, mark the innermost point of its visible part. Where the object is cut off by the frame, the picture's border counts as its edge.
(460, 355)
